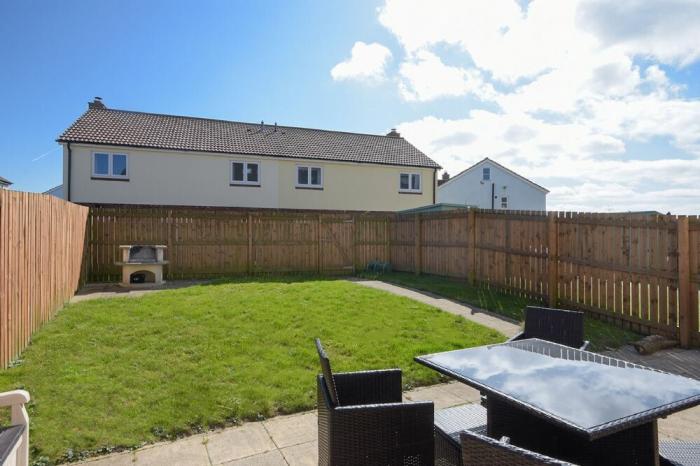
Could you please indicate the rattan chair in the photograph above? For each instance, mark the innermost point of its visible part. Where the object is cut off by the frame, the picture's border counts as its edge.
(678, 453)
(480, 450)
(362, 420)
(555, 325)
(449, 423)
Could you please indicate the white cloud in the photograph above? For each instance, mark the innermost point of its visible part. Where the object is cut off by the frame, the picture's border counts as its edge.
(367, 63)
(666, 30)
(576, 84)
(426, 77)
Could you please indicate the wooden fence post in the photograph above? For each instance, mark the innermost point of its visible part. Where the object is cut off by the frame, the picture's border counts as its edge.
(387, 239)
(319, 250)
(471, 246)
(417, 259)
(250, 243)
(684, 316)
(354, 244)
(552, 258)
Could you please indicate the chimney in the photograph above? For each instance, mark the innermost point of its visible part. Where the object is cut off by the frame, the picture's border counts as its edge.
(445, 178)
(393, 133)
(97, 103)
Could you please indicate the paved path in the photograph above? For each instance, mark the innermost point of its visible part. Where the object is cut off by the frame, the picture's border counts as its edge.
(114, 290)
(506, 326)
(280, 441)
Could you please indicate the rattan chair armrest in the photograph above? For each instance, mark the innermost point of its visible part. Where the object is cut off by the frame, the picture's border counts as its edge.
(369, 387)
(518, 336)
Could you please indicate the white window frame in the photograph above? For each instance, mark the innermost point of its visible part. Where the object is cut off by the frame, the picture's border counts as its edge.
(504, 202)
(485, 170)
(245, 181)
(110, 167)
(410, 183)
(309, 185)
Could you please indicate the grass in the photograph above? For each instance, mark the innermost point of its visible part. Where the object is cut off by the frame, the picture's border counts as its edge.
(601, 335)
(116, 373)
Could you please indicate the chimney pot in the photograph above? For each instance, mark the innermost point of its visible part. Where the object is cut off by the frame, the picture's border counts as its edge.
(96, 103)
(393, 133)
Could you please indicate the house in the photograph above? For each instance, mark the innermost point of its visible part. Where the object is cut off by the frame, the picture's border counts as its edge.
(490, 185)
(56, 191)
(127, 157)
(4, 183)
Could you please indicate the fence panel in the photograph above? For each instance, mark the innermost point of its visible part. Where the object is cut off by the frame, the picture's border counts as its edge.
(41, 250)
(444, 244)
(622, 268)
(694, 234)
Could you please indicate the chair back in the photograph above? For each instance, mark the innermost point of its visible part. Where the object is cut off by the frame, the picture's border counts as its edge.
(555, 325)
(479, 450)
(327, 373)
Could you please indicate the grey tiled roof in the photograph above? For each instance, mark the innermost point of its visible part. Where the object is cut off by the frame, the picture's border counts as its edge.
(136, 129)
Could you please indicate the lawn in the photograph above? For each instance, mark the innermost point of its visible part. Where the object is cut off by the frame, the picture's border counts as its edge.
(115, 373)
(601, 335)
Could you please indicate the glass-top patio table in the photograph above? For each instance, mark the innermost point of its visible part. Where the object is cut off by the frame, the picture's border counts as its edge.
(570, 404)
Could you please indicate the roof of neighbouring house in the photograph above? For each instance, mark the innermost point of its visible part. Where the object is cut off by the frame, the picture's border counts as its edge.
(5, 181)
(183, 133)
(486, 159)
(430, 208)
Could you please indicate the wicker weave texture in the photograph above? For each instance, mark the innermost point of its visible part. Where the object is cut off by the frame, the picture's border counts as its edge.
(479, 450)
(373, 426)
(555, 325)
(635, 445)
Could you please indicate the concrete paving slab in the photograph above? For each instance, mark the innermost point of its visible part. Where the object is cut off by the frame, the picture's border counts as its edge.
(271, 458)
(684, 425)
(292, 430)
(239, 442)
(304, 454)
(444, 397)
(184, 452)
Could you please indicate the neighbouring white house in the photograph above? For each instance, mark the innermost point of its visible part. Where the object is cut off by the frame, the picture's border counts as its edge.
(490, 185)
(127, 157)
(4, 183)
(56, 191)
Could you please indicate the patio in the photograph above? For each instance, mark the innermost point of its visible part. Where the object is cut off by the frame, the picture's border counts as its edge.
(292, 440)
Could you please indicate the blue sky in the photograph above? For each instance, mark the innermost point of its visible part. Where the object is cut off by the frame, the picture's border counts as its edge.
(596, 100)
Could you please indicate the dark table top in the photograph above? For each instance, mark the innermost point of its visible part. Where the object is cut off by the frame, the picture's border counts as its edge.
(586, 392)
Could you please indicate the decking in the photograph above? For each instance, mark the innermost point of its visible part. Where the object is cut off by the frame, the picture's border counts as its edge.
(684, 362)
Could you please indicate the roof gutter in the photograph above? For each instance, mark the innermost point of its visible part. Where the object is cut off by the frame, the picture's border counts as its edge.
(70, 160)
(251, 154)
(434, 183)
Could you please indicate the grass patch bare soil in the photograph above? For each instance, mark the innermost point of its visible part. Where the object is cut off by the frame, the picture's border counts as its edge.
(120, 372)
(601, 335)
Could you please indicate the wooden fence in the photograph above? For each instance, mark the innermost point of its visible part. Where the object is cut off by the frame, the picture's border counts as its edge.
(41, 247)
(641, 272)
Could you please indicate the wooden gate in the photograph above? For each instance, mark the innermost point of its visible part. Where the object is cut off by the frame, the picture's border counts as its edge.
(336, 244)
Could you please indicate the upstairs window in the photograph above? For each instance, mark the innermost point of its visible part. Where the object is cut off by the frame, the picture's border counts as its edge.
(504, 202)
(309, 177)
(486, 173)
(245, 173)
(409, 183)
(109, 165)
